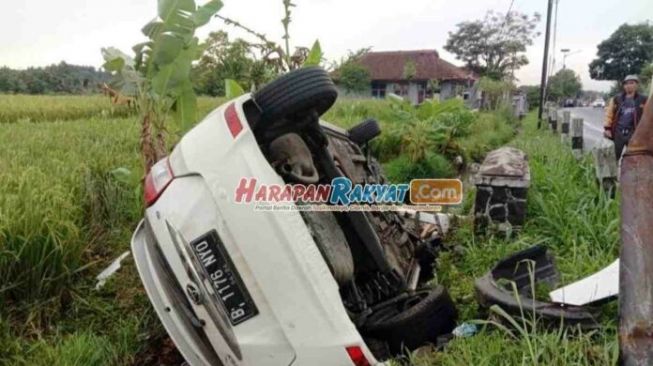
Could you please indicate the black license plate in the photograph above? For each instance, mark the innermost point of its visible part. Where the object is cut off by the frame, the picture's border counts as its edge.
(222, 274)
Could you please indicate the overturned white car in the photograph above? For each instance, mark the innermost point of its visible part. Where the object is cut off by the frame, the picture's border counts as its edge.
(238, 286)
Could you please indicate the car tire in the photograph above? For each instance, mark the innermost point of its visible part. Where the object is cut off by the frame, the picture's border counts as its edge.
(427, 314)
(302, 90)
(365, 131)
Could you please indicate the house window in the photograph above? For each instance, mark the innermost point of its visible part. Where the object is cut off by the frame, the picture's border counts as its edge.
(401, 89)
(378, 89)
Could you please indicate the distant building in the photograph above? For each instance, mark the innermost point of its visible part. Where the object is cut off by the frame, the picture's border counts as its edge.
(417, 75)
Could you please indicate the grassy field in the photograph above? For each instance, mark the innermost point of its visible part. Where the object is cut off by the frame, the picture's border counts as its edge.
(71, 197)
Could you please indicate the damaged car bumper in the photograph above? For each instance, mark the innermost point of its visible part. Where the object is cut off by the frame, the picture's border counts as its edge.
(526, 268)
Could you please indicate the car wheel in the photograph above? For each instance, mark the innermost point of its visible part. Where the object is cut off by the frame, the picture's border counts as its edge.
(364, 131)
(301, 90)
(415, 321)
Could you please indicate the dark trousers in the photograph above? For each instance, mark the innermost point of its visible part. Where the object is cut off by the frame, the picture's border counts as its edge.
(621, 138)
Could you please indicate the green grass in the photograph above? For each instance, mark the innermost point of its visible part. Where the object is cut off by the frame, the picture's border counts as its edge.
(48, 108)
(40, 108)
(70, 199)
(568, 213)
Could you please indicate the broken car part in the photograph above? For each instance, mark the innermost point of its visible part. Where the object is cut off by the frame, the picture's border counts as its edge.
(103, 276)
(598, 287)
(292, 159)
(401, 321)
(440, 220)
(530, 266)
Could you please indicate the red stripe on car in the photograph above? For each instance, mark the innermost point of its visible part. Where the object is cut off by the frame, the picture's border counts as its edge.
(233, 122)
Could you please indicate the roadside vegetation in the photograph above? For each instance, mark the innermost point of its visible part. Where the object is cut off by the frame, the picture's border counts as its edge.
(568, 213)
(433, 140)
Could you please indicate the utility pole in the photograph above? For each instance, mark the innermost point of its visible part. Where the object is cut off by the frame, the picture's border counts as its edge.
(545, 63)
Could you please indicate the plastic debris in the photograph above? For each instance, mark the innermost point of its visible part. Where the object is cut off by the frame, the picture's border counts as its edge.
(110, 270)
(599, 286)
(465, 330)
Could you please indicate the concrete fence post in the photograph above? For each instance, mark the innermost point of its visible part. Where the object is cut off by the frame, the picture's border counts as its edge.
(605, 165)
(554, 120)
(576, 136)
(564, 126)
(549, 113)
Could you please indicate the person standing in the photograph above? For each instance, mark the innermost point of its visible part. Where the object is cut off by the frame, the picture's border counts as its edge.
(623, 114)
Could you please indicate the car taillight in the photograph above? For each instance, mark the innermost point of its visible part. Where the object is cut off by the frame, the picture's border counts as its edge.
(357, 356)
(157, 180)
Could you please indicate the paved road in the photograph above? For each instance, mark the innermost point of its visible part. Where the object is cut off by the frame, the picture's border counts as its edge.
(593, 131)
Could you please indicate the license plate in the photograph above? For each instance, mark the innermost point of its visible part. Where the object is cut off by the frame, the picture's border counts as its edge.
(224, 278)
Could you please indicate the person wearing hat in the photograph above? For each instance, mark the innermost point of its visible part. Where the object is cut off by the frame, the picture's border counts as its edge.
(623, 114)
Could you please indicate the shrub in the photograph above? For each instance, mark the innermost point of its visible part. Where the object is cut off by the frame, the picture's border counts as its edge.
(488, 132)
(403, 169)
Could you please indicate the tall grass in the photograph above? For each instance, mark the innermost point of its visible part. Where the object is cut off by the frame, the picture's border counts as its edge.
(40, 108)
(567, 212)
(49, 108)
(49, 178)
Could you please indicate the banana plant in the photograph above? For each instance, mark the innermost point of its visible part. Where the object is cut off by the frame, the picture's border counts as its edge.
(158, 75)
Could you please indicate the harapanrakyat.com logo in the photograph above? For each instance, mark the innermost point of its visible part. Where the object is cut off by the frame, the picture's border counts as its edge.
(343, 195)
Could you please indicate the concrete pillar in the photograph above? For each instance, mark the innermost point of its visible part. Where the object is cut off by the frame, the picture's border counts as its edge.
(501, 189)
(576, 136)
(605, 165)
(554, 120)
(564, 126)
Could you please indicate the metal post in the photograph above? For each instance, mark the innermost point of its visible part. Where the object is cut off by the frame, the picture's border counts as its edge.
(636, 268)
(545, 63)
(576, 135)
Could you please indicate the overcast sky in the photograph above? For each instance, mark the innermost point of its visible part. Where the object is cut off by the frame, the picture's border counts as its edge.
(42, 32)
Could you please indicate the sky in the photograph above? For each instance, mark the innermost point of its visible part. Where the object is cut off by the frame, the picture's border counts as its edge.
(42, 32)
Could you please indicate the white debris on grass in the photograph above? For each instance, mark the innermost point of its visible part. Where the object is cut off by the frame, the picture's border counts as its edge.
(601, 285)
(110, 270)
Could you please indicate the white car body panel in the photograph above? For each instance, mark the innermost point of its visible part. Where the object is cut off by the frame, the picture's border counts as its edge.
(301, 319)
(599, 286)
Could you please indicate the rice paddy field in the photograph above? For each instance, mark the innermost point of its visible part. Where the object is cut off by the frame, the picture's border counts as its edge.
(70, 196)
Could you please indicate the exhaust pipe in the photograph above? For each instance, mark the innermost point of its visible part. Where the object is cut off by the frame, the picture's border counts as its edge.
(636, 272)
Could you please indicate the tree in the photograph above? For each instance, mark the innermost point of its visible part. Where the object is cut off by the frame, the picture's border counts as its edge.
(350, 74)
(159, 73)
(625, 52)
(223, 59)
(564, 84)
(646, 75)
(494, 46)
(494, 92)
(410, 70)
(56, 78)
(354, 77)
(532, 94)
(276, 55)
